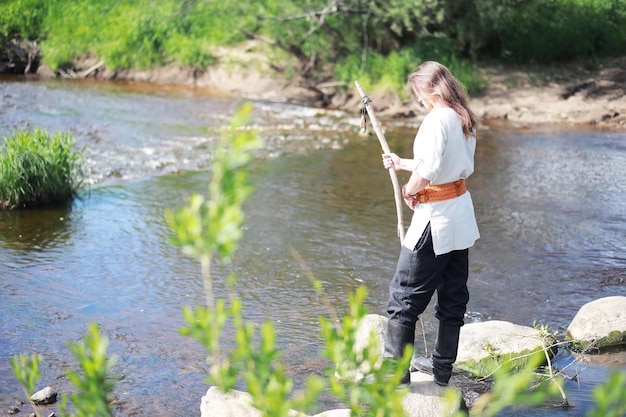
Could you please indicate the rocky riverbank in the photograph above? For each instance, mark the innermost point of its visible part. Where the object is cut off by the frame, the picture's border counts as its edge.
(573, 95)
(565, 95)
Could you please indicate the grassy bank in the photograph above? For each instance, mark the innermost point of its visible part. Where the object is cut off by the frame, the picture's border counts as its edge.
(376, 42)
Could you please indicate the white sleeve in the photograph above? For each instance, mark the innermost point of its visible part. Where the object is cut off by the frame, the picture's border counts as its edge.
(430, 144)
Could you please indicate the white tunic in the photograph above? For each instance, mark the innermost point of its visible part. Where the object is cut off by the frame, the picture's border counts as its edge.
(444, 154)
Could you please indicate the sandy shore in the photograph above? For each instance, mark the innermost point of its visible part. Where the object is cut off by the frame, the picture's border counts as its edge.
(570, 95)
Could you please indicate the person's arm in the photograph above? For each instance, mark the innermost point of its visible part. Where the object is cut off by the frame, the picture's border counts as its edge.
(391, 160)
(415, 184)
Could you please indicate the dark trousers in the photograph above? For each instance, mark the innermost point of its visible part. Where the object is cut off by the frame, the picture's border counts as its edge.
(418, 274)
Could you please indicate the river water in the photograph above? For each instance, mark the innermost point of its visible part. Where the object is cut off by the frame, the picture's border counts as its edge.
(549, 203)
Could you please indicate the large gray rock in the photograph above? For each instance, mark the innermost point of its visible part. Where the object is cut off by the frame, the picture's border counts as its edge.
(372, 324)
(600, 323)
(484, 346)
(426, 399)
(217, 403)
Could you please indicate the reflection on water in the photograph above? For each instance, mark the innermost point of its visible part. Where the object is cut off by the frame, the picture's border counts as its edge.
(549, 207)
(40, 229)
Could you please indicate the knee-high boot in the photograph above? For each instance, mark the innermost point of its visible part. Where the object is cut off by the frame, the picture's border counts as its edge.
(445, 352)
(398, 338)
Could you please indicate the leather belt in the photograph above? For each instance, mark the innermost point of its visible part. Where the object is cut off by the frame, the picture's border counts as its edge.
(435, 193)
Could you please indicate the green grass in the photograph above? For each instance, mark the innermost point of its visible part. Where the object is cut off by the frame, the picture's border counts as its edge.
(138, 34)
(379, 48)
(37, 168)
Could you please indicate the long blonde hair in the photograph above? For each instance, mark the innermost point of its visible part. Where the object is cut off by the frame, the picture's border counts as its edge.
(436, 80)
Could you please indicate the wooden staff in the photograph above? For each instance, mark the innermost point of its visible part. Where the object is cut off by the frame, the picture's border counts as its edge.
(397, 192)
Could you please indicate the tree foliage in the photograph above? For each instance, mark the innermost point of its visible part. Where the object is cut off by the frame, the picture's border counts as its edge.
(379, 39)
(140, 33)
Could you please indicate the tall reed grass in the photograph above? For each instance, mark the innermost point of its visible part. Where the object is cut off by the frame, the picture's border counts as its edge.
(38, 168)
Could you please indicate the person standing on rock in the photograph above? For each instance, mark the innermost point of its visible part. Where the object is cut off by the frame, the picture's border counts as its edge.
(434, 254)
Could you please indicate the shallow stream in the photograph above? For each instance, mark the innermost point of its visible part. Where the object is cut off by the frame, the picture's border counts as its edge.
(550, 207)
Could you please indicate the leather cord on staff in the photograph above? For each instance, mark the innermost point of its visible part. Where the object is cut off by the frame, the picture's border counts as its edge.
(363, 120)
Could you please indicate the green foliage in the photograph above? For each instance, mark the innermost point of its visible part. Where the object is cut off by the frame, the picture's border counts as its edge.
(141, 34)
(406, 18)
(513, 361)
(133, 37)
(271, 390)
(610, 397)
(124, 34)
(378, 393)
(553, 30)
(36, 168)
(190, 52)
(207, 326)
(257, 363)
(94, 386)
(22, 18)
(219, 23)
(389, 73)
(517, 387)
(311, 30)
(213, 225)
(92, 398)
(26, 370)
(614, 338)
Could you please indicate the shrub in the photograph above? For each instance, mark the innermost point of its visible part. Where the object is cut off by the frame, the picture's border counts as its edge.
(36, 168)
(388, 73)
(22, 18)
(94, 386)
